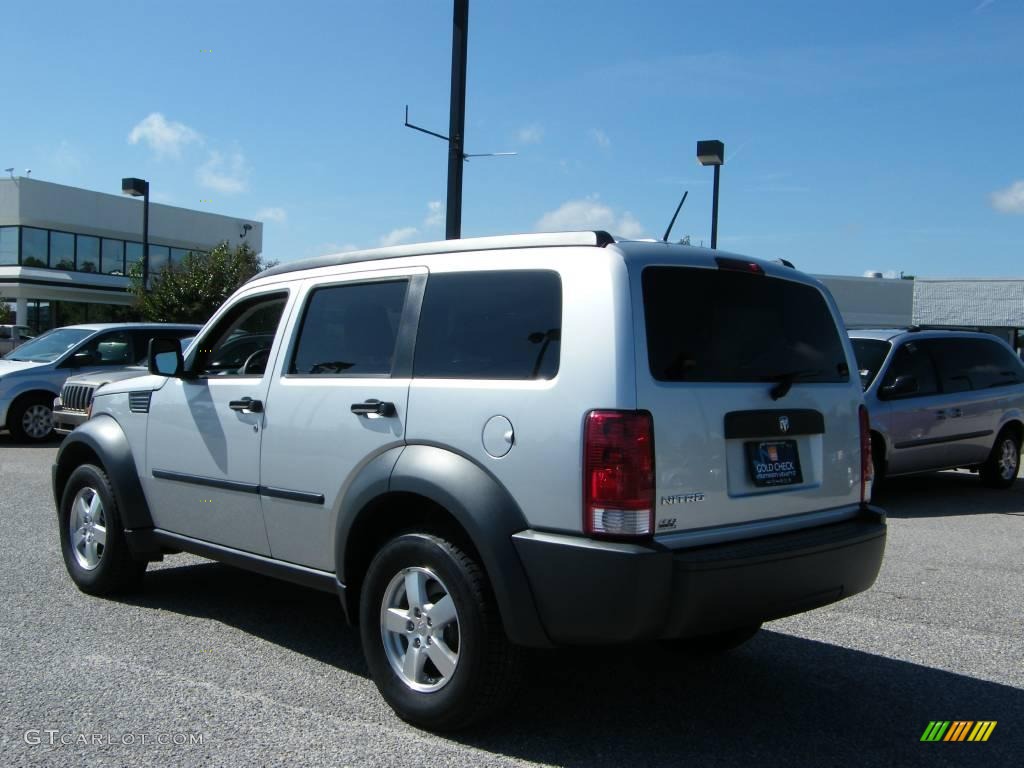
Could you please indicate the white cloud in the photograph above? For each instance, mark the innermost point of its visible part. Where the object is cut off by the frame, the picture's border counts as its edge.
(228, 176)
(531, 134)
(164, 137)
(278, 215)
(600, 138)
(435, 214)
(326, 248)
(590, 213)
(1009, 200)
(399, 236)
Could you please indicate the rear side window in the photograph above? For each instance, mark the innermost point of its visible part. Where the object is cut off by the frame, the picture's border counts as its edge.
(350, 330)
(718, 325)
(490, 325)
(971, 364)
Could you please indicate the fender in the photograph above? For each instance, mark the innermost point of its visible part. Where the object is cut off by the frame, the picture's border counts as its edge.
(19, 388)
(488, 514)
(104, 437)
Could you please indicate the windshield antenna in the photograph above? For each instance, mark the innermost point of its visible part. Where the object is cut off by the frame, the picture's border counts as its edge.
(672, 223)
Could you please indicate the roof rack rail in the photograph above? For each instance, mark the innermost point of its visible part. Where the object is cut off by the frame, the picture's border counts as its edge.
(596, 238)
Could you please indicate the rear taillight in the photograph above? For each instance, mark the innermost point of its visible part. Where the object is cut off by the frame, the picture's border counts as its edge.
(867, 468)
(618, 474)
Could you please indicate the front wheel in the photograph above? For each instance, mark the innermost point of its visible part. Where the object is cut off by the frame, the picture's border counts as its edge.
(1000, 470)
(432, 635)
(91, 537)
(31, 418)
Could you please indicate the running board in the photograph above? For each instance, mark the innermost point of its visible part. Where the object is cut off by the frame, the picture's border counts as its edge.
(154, 539)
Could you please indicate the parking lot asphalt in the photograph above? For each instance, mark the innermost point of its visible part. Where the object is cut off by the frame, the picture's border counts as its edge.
(266, 673)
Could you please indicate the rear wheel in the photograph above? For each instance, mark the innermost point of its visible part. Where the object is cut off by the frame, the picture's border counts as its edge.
(1000, 470)
(92, 540)
(432, 635)
(30, 419)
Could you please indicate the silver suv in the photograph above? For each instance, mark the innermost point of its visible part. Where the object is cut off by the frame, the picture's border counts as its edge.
(942, 400)
(481, 445)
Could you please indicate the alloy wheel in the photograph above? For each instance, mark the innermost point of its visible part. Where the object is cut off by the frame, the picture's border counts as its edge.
(88, 527)
(1009, 458)
(419, 625)
(37, 421)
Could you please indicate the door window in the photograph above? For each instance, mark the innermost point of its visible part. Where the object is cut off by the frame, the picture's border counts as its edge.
(111, 349)
(350, 330)
(912, 359)
(239, 345)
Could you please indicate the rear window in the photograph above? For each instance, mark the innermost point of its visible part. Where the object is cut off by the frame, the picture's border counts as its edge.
(724, 326)
(870, 354)
(490, 325)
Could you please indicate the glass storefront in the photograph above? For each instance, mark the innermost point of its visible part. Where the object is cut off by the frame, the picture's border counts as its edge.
(46, 248)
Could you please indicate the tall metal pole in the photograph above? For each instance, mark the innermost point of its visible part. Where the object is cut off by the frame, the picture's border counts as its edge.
(714, 211)
(145, 238)
(457, 121)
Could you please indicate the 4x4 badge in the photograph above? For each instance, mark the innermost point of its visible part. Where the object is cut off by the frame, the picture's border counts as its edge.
(783, 424)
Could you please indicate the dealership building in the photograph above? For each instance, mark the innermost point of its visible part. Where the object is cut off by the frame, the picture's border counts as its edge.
(65, 252)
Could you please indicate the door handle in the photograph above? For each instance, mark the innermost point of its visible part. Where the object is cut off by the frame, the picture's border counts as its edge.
(955, 413)
(373, 408)
(940, 415)
(246, 405)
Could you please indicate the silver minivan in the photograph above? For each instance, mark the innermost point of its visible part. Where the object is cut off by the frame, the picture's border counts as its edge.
(942, 400)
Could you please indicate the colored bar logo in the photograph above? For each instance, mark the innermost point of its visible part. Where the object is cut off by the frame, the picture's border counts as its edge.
(958, 730)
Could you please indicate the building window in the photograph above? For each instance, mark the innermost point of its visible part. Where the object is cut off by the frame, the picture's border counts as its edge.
(133, 257)
(34, 247)
(62, 250)
(178, 256)
(159, 256)
(113, 257)
(8, 246)
(88, 253)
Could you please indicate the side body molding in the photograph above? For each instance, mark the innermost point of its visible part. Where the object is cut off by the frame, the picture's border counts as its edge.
(484, 509)
(103, 436)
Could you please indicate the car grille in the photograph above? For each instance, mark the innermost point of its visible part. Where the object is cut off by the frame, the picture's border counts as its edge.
(76, 397)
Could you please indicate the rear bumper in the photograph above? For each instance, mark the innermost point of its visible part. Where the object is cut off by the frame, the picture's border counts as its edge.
(597, 592)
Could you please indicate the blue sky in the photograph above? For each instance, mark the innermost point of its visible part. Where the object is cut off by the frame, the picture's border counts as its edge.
(869, 135)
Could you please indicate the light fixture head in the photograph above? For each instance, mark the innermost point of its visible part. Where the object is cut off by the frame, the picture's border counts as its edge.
(711, 152)
(134, 187)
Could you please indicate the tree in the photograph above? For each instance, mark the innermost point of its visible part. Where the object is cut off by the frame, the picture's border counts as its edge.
(5, 313)
(192, 291)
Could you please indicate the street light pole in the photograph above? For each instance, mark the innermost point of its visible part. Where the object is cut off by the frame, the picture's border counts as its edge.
(714, 211)
(457, 120)
(140, 188)
(712, 153)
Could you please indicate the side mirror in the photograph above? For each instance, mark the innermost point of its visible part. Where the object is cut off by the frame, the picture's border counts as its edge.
(905, 384)
(165, 357)
(80, 359)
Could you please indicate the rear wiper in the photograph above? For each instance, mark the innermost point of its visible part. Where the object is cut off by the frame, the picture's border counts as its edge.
(784, 381)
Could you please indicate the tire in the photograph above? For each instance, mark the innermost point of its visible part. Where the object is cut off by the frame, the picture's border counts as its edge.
(1001, 467)
(30, 419)
(456, 623)
(716, 643)
(91, 536)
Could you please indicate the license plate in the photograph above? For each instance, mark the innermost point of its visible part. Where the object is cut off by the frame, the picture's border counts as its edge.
(774, 462)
